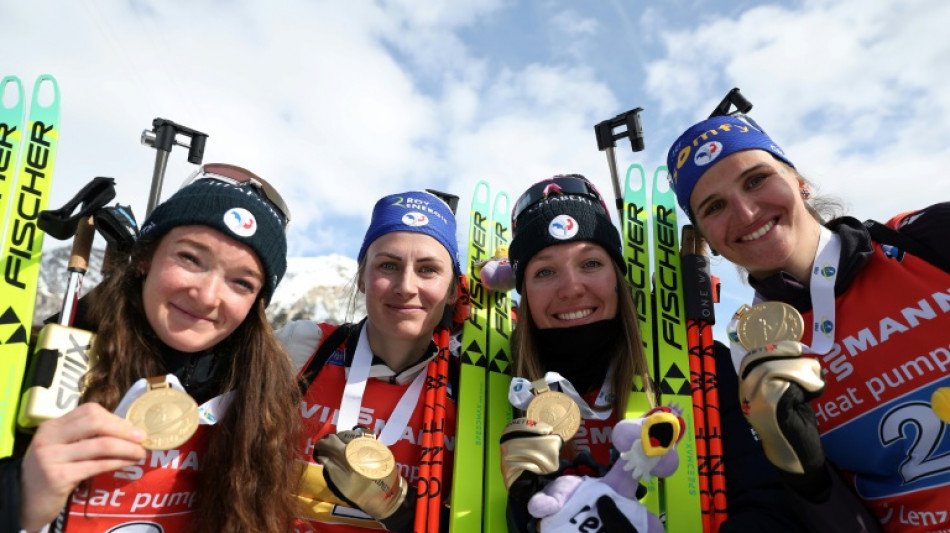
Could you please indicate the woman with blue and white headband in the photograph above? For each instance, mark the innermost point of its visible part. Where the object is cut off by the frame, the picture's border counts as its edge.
(851, 390)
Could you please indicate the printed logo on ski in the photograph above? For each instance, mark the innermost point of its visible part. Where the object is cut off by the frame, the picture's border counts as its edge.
(415, 219)
(6, 150)
(28, 203)
(563, 227)
(240, 221)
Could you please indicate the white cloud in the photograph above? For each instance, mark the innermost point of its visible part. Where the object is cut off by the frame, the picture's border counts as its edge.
(338, 103)
(847, 88)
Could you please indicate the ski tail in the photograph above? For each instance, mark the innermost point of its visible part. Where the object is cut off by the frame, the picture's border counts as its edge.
(467, 494)
(23, 243)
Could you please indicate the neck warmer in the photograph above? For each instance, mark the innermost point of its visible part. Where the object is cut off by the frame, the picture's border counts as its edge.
(581, 354)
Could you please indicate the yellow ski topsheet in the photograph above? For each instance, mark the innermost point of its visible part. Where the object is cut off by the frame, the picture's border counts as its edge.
(22, 239)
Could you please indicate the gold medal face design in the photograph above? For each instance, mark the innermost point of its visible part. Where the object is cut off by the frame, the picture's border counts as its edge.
(168, 416)
(369, 458)
(767, 323)
(558, 410)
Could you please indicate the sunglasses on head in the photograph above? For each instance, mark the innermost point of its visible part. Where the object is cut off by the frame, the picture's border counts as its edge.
(574, 184)
(241, 177)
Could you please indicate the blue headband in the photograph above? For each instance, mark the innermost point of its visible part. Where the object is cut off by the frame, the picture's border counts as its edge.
(418, 212)
(709, 141)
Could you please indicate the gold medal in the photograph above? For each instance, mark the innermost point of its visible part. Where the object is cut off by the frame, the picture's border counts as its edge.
(369, 458)
(768, 323)
(168, 416)
(554, 408)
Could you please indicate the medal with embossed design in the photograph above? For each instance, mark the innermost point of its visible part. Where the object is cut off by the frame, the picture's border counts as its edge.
(554, 408)
(369, 458)
(767, 323)
(168, 416)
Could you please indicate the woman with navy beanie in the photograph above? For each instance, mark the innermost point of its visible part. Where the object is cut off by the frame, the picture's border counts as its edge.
(578, 334)
(835, 407)
(187, 419)
(381, 385)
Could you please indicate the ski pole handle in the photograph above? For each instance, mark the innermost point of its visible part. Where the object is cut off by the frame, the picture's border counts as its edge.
(732, 98)
(162, 137)
(606, 142)
(78, 264)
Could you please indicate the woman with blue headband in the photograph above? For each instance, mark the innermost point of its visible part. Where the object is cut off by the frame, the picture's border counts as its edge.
(844, 376)
(377, 389)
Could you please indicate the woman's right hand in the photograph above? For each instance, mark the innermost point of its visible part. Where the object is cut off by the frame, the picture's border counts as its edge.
(529, 449)
(86, 441)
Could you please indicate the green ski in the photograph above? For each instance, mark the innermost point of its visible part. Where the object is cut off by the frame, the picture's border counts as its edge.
(23, 241)
(469, 470)
(679, 493)
(499, 375)
(636, 252)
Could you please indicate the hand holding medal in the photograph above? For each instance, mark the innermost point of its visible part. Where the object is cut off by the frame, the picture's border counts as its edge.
(362, 471)
(776, 385)
(169, 417)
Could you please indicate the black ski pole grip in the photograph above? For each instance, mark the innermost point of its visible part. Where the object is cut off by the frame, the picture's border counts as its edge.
(62, 223)
(604, 131)
(197, 150)
(732, 98)
(698, 291)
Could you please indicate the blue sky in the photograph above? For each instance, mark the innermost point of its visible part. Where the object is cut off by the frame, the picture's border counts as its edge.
(338, 103)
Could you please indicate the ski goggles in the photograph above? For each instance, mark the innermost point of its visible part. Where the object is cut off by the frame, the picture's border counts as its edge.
(241, 177)
(564, 184)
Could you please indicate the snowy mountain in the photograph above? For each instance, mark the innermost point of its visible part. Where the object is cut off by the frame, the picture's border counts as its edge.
(317, 288)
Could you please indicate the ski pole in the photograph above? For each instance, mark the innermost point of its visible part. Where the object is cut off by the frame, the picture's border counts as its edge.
(693, 297)
(424, 485)
(713, 427)
(163, 136)
(701, 292)
(606, 142)
(62, 223)
(62, 356)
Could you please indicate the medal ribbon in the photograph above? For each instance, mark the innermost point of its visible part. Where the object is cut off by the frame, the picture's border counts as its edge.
(824, 273)
(352, 399)
(520, 394)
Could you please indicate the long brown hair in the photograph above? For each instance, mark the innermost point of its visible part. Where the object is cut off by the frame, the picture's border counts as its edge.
(249, 469)
(626, 351)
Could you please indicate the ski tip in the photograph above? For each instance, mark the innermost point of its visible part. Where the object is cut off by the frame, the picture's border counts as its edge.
(636, 178)
(46, 92)
(482, 191)
(15, 94)
(502, 203)
(661, 182)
